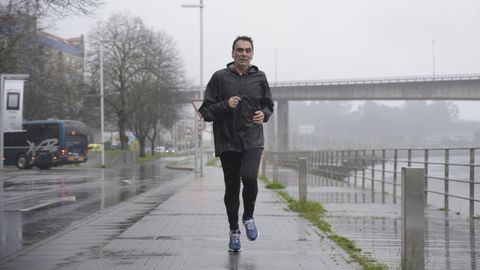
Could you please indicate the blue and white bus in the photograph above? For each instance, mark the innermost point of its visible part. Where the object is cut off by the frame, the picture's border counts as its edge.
(46, 143)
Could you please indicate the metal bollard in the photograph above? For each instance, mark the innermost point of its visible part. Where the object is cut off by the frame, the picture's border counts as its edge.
(302, 179)
(275, 168)
(413, 218)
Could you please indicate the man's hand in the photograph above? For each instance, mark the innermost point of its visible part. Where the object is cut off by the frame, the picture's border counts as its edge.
(233, 101)
(258, 118)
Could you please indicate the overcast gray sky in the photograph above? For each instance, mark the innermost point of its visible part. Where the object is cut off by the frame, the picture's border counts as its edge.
(317, 39)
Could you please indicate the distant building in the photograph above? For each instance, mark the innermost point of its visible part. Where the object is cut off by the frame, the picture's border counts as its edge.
(55, 65)
(67, 52)
(21, 42)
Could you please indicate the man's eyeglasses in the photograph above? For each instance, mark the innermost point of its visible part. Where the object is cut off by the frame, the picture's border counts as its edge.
(241, 50)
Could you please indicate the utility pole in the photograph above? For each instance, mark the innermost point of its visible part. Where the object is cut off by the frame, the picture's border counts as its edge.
(198, 134)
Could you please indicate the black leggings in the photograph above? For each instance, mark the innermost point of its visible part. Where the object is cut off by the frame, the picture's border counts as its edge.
(240, 166)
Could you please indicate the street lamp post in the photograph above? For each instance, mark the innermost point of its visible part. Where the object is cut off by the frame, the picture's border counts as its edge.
(102, 116)
(198, 134)
(102, 109)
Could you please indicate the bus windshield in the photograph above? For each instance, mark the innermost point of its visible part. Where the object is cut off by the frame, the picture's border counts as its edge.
(75, 128)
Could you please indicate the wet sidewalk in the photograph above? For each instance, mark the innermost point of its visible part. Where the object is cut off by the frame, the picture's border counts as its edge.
(188, 231)
(451, 238)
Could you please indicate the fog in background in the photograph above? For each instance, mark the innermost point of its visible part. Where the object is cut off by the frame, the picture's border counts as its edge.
(315, 40)
(372, 125)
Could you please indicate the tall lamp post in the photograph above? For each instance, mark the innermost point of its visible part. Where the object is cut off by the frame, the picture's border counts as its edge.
(102, 109)
(102, 116)
(198, 134)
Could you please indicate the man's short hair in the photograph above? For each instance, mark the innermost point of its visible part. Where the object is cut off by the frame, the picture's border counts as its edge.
(244, 38)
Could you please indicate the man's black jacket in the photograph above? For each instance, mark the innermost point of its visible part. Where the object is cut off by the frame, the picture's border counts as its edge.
(233, 129)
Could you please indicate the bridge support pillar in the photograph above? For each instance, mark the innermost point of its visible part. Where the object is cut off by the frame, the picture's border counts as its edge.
(282, 130)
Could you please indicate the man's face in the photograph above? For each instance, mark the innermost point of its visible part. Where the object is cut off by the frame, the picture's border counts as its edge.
(242, 53)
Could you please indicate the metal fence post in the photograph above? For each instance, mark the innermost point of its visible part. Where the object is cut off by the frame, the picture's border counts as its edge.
(395, 173)
(472, 183)
(330, 165)
(373, 172)
(426, 176)
(383, 175)
(347, 169)
(340, 168)
(335, 169)
(275, 168)
(310, 167)
(356, 168)
(316, 167)
(322, 168)
(325, 167)
(413, 219)
(409, 158)
(302, 178)
(363, 168)
(447, 175)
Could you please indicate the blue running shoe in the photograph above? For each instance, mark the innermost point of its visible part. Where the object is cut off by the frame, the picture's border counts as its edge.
(234, 244)
(252, 232)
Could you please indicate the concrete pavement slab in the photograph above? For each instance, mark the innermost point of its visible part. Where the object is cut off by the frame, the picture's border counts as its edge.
(190, 231)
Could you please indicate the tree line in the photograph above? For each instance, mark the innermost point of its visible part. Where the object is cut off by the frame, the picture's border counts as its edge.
(372, 124)
(142, 71)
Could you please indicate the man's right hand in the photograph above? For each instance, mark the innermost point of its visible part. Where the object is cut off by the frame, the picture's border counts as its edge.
(233, 101)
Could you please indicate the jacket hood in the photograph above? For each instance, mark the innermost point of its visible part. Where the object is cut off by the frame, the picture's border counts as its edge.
(252, 69)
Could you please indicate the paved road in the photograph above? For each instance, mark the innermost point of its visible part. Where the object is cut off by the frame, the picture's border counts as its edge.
(36, 204)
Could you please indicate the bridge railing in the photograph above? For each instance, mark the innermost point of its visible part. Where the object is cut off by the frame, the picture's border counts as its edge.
(451, 173)
(376, 80)
(192, 90)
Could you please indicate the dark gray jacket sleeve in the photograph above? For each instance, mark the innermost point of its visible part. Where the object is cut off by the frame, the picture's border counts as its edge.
(266, 103)
(212, 108)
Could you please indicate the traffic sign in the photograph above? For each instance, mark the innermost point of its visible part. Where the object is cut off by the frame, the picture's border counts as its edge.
(196, 104)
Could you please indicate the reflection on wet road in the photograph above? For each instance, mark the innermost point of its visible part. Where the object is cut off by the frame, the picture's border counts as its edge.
(36, 204)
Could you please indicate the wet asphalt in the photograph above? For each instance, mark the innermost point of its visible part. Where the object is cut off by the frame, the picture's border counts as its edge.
(358, 214)
(37, 204)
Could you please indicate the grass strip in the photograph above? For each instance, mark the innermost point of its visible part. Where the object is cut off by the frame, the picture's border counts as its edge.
(270, 184)
(215, 162)
(314, 213)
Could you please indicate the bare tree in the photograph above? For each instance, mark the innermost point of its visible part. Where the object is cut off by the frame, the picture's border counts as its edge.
(119, 37)
(161, 103)
(140, 68)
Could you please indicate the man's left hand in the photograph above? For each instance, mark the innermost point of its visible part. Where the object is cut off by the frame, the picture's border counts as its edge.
(258, 118)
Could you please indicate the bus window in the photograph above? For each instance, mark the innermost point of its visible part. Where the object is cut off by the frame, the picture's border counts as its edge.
(37, 134)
